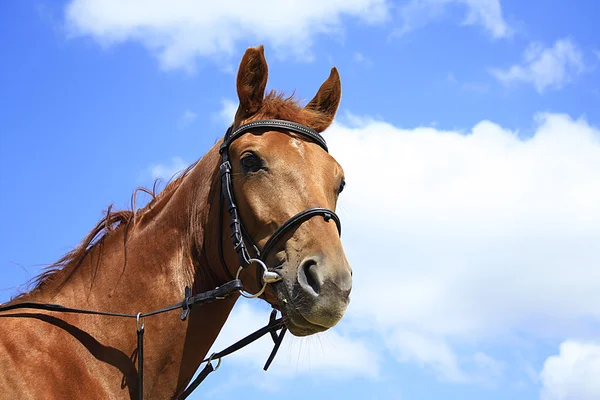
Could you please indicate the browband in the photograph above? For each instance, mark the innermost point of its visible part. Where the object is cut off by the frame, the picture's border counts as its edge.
(273, 123)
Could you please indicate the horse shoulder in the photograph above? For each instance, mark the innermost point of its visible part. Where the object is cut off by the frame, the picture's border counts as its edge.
(40, 360)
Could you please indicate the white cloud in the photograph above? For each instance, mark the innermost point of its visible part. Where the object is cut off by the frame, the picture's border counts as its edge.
(166, 171)
(434, 353)
(459, 238)
(430, 352)
(545, 68)
(477, 232)
(178, 32)
(186, 119)
(487, 13)
(573, 374)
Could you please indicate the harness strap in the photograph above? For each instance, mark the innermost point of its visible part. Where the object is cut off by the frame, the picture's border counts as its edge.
(220, 238)
(199, 379)
(59, 308)
(201, 298)
(188, 301)
(140, 357)
(277, 339)
(297, 220)
(235, 223)
(273, 325)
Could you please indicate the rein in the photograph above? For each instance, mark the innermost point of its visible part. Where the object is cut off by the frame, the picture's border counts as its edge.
(264, 275)
(219, 293)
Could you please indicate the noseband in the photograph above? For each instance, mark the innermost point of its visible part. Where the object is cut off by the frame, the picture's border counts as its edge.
(264, 276)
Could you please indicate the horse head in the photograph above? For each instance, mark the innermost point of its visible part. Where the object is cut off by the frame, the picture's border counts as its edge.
(276, 175)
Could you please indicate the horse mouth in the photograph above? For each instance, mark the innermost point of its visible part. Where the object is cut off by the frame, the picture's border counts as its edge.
(293, 318)
(298, 325)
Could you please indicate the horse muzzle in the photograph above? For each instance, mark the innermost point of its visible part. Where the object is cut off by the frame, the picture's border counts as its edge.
(314, 296)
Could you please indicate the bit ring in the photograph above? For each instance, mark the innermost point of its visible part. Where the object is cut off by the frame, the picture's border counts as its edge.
(264, 286)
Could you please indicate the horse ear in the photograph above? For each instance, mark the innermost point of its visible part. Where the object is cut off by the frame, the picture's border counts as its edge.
(251, 82)
(326, 101)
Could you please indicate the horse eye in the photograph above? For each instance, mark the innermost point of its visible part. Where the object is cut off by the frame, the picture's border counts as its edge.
(251, 162)
(342, 186)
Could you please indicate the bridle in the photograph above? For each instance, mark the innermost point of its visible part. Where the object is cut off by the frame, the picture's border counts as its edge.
(237, 228)
(264, 276)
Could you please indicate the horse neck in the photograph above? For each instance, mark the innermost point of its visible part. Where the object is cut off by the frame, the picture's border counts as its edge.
(145, 266)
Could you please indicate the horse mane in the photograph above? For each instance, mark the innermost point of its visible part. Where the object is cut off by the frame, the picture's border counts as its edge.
(112, 221)
(275, 106)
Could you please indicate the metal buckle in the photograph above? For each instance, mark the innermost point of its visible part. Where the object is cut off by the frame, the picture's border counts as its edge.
(218, 361)
(139, 318)
(268, 277)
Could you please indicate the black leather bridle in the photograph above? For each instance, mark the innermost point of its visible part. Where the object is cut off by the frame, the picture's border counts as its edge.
(238, 233)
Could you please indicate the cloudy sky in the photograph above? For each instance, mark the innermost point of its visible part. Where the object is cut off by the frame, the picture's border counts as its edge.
(469, 131)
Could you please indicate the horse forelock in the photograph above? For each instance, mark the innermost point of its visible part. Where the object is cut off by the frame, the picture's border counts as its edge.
(278, 105)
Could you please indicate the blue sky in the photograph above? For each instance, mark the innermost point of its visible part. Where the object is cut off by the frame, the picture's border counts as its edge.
(480, 117)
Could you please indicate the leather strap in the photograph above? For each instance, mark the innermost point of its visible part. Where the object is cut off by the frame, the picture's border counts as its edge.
(140, 357)
(297, 220)
(291, 223)
(188, 301)
(273, 124)
(235, 223)
(273, 325)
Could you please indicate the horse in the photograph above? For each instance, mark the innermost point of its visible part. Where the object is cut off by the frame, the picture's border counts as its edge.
(134, 261)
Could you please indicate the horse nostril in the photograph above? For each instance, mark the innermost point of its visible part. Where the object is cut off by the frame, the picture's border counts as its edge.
(309, 276)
